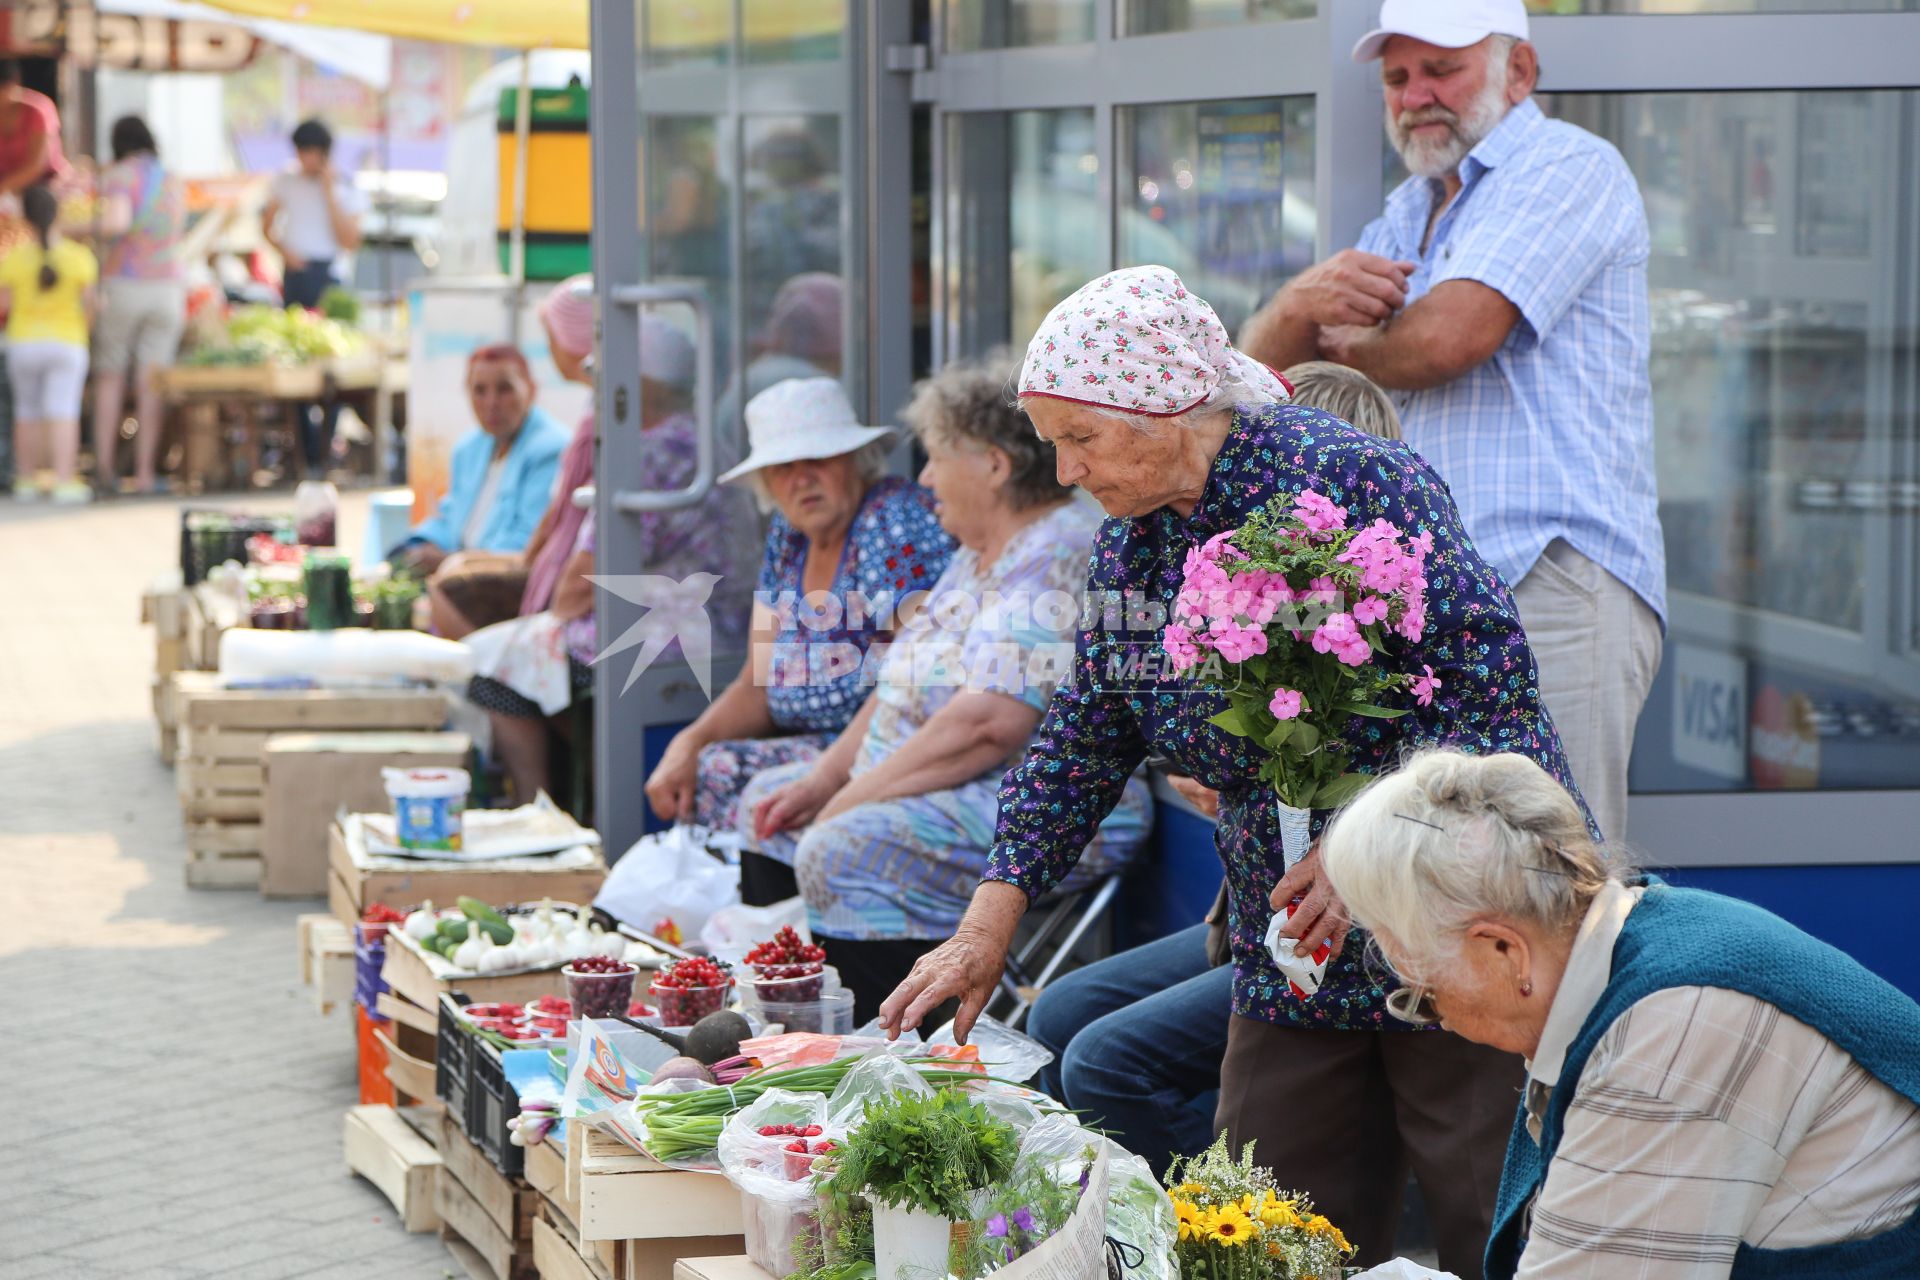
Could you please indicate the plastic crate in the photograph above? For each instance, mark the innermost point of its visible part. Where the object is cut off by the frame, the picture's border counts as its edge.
(453, 1047)
(491, 1102)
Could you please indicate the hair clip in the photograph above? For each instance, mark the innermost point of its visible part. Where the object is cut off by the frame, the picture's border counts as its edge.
(1423, 822)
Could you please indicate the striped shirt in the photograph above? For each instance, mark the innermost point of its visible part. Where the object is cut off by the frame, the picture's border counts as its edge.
(1704, 1118)
(1553, 436)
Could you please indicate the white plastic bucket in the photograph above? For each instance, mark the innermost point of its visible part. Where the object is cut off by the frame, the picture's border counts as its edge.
(427, 806)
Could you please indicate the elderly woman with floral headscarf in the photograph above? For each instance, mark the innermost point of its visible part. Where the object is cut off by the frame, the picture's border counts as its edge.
(1181, 439)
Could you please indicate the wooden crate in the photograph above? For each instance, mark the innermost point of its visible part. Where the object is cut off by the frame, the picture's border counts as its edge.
(357, 880)
(722, 1267)
(410, 974)
(488, 1212)
(207, 706)
(412, 1074)
(546, 1172)
(326, 960)
(384, 1149)
(251, 381)
(626, 1195)
(223, 855)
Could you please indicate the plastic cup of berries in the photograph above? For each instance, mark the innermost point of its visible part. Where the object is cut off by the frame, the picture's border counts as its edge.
(599, 986)
(787, 969)
(689, 989)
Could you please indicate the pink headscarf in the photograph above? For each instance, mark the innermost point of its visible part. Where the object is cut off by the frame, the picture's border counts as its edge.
(568, 312)
(1136, 341)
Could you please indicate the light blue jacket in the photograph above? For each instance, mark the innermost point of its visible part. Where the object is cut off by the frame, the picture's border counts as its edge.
(526, 487)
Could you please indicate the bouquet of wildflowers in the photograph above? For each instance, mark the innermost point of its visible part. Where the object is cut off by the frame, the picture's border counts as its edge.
(1019, 1216)
(1285, 616)
(1235, 1226)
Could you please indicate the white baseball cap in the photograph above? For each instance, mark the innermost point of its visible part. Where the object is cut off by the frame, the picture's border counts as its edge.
(1451, 24)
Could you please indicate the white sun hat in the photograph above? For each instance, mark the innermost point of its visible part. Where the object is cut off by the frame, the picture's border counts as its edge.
(1451, 24)
(798, 420)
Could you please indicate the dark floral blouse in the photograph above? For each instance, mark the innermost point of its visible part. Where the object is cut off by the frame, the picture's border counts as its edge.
(1103, 723)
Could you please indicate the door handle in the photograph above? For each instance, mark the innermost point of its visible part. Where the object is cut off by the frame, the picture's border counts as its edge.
(635, 502)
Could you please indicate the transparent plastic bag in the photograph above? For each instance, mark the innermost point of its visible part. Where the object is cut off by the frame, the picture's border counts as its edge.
(777, 1199)
(732, 931)
(872, 1079)
(1140, 1214)
(669, 873)
(1003, 1051)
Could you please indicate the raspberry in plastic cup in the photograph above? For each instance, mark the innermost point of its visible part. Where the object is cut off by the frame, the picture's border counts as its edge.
(601, 989)
(788, 983)
(684, 1006)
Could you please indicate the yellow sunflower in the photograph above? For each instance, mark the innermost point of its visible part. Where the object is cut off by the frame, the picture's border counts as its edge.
(1229, 1224)
(1190, 1219)
(1188, 1189)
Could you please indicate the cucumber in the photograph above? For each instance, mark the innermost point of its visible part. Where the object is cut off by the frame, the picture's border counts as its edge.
(455, 929)
(500, 933)
(474, 909)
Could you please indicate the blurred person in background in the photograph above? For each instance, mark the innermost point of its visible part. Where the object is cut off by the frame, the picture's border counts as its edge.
(29, 134)
(144, 300)
(46, 285)
(312, 220)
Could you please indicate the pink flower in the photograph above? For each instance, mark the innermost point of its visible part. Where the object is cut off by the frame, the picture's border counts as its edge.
(1414, 623)
(1339, 637)
(1220, 544)
(1317, 512)
(1286, 704)
(1178, 642)
(1423, 686)
(1237, 643)
(1370, 610)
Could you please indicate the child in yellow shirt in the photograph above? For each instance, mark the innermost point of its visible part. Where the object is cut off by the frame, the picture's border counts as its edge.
(48, 287)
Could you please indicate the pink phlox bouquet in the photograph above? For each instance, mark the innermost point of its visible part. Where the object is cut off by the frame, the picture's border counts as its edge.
(1287, 616)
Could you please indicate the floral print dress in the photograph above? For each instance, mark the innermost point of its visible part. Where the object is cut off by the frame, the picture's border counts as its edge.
(907, 867)
(894, 546)
(1098, 730)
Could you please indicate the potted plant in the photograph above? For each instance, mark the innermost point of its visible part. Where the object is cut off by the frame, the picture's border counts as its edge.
(920, 1159)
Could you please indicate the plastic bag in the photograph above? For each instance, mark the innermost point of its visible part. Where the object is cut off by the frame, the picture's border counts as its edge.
(873, 1079)
(777, 1198)
(669, 873)
(732, 931)
(1003, 1051)
(1139, 1213)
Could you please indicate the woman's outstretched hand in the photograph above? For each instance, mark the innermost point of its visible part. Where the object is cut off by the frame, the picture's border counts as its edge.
(968, 965)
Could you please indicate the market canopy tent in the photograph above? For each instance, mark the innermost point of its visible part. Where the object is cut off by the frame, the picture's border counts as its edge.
(507, 24)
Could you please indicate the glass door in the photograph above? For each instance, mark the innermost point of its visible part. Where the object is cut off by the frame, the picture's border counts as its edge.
(726, 196)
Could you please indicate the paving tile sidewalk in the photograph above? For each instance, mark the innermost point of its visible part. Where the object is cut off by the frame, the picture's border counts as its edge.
(177, 1101)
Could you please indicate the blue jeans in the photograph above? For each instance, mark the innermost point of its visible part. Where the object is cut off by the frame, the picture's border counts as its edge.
(1137, 1040)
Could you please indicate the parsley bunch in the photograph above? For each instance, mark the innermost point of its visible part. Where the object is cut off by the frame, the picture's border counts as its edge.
(925, 1151)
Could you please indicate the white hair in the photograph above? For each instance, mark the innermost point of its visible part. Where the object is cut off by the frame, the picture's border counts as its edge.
(1235, 391)
(869, 460)
(1448, 839)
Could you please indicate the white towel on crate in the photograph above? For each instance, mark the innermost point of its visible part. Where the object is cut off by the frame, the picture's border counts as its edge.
(529, 656)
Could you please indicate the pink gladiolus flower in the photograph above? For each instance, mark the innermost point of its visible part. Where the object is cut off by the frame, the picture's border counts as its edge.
(1423, 686)
(1237, 643)
(1371, 609)
(1339, 637)
(1317, 511)
(1286, 704)
(1178, 642)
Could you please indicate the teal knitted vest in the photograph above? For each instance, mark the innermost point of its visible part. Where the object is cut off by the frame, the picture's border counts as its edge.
(1687, 938)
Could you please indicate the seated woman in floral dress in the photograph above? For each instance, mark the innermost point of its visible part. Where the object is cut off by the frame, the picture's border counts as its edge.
(888, 829)
(843, 532)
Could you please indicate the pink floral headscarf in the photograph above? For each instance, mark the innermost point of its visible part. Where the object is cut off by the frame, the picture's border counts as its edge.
(1136, 341)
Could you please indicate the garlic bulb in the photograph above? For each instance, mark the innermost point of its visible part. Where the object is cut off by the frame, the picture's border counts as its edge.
(537, 952)
(491, 957)
(511, 956)
(579, 944)
(467, 954)
(420, 922)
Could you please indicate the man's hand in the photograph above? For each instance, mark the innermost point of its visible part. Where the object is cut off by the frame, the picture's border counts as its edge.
(1350, 288)
(1341, 343)
(1321, 916)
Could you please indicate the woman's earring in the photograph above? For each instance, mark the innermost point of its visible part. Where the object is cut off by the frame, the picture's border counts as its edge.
(1526, 988)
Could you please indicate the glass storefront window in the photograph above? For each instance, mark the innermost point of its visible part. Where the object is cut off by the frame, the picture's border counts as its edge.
(1222, 192)
(1145, 17)
(1023, 219)
(1009, 24)
(1785, 452)
(686, 33)
(791, 30)
(689, 201)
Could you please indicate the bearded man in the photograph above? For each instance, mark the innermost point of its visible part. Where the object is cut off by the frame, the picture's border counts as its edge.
(1503, 296)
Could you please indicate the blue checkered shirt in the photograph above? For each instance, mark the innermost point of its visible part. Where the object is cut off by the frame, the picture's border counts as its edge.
(1552, 437)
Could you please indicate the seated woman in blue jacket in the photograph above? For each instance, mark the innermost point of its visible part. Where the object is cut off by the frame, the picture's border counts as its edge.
(501, 478)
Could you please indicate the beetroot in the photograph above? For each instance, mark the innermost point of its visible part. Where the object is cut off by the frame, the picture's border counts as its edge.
(683, 1069)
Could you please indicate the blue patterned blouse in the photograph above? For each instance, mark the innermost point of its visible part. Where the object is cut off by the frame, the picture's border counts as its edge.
(895, 546)
(1099, 728)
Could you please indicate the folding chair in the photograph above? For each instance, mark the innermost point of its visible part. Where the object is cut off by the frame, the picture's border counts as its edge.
(1076, 913)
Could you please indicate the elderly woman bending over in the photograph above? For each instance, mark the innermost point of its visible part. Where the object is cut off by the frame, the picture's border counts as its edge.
(843, 533)
(1710, 1092)
(898, 814)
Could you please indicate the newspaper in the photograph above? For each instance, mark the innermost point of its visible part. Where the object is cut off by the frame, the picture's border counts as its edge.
(1078, 1250)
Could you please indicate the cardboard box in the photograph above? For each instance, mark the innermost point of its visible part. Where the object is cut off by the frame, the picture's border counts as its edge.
(359, 880)
(312, 776)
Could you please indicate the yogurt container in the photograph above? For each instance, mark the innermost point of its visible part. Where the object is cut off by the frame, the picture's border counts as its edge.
(427, 806)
